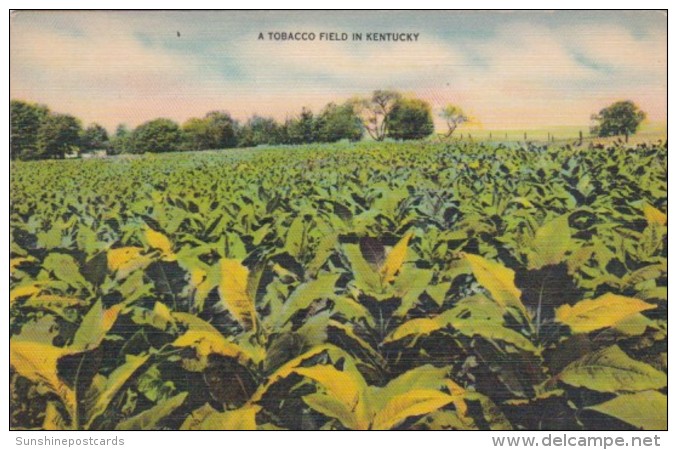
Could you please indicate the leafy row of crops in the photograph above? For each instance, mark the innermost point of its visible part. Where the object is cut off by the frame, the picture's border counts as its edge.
(373, 286)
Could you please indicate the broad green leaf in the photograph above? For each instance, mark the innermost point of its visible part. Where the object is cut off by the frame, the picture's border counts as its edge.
(56, 304)
(295, 237)
(305, 294)
(498, 280)
(234, 294)
(94, 326)
(409, 285)
(413, 403)
(395, 259)
(473, 316)
(352, 310)
(438, 292)
(322, 253)
(647, 410)
(148, 419)
(65, 268)
(103, 389)
(611, 370)
(348, 331)
(550, 243)
(366, 279)
(426, 377)
(605, 311)
(333, 407)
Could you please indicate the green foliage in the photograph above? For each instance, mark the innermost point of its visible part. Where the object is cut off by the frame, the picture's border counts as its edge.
(302, 129)
(216, 130)
(58, 135)
(376, 285)
(338, 122)
(25, 120)
(260, 131)
(619, 119)
(94, 137)
(410, 118)
(157, 136)
(454, 117)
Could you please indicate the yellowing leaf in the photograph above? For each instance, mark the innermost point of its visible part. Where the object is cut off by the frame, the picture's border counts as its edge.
(207, 418)
(203, 282)
(14, 263)
(23, 291)
(287, 369)
(605, 311)
(395, 259)
(125, 260)
(646, 410)
(38, 363)
(344, 391)
(498, 280)
(234, 294)
(654, 215)
(53, 420)
(611, 370)
(162, 311)
(206, 343)
(414, 327)
(338, 384)
(160, 242)
(412, 403)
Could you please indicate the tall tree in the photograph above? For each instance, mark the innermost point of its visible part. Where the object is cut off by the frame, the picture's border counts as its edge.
(95, 137)
(302, 129)
(217, 129)
(410, 118)
(121, 141)
(337, 122)
(58, 135)
(260, 131)
(25, 120)
(375, 112)
(157, 136)
(453, 116)
(619, 119)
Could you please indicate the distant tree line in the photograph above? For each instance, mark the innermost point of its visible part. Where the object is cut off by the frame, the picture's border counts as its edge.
(38, 133)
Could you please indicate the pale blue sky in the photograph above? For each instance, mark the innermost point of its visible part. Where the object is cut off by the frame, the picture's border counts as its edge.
(507, 69)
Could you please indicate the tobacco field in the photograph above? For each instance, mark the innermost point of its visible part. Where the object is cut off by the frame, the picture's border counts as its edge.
(417, 286)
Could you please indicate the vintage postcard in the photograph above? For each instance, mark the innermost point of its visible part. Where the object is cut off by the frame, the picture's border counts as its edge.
(338, 220)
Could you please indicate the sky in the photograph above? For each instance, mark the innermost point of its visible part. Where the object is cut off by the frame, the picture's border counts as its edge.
(507, 70)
